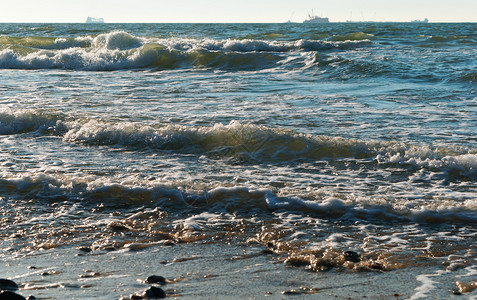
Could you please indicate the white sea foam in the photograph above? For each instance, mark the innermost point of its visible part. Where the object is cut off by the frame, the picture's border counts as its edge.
(248, 45)
(435, 159)
(427, 286)
(224, 199)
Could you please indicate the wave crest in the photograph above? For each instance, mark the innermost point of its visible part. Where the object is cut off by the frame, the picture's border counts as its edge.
(260, 143)
(116, 40)
(222, 140)
(21, 121)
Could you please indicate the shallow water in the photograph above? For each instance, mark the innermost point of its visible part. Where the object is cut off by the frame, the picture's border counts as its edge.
(310, 140)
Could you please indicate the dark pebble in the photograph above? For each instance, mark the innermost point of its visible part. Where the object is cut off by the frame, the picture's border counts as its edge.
(156, 279)
(291, 292)
(7, 295)
(377, 266)
(136, 297)
(31, 298)
(168, 243)
(85, 249)
(267, 251)
(352, 256)
(7, 284)
(155, 293)
(118, 227)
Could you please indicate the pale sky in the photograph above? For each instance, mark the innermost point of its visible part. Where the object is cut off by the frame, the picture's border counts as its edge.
(224, 11)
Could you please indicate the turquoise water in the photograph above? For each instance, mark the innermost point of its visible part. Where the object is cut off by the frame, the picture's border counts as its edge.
(343, 136)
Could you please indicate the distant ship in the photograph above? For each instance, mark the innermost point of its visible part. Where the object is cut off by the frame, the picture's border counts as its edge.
(94, 20)
(420, 21)
(316, 19)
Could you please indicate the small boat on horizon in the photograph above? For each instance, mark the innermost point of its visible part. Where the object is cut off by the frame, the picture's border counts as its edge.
(94, 20)
(420, 21)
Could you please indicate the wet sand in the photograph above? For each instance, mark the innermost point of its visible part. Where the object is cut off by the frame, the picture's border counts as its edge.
(213, 271)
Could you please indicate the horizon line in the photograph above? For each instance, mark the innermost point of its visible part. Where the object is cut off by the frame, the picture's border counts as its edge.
(285, 22)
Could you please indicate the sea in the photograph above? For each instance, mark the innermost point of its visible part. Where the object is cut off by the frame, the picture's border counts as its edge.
(340, 146)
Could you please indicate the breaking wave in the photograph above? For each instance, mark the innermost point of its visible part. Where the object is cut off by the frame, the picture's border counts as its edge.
(120, 50)
(24, 120)
(251, 142)
(262, 143)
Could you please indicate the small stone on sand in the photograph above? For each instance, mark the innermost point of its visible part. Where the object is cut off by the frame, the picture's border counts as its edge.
(155, 293)
(85, 249)
(156, 279)
(7, 295)
(7, 284)
(352, 256)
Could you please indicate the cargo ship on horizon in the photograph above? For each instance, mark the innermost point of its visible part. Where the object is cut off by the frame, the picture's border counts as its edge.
(315, 19)
(94, 20)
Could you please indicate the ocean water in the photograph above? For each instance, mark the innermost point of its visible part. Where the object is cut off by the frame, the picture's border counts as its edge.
(308, 139)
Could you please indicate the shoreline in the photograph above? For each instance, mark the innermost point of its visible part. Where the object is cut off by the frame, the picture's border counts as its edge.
(213, 271)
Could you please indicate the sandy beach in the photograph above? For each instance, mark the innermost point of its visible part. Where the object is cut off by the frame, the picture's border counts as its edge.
(215, 271)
